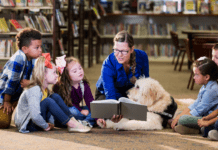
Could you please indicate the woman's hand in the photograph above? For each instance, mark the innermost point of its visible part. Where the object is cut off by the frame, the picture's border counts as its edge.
(116, 118)
(101, 123)
(51, 126)
(85, 112)
(48, 128)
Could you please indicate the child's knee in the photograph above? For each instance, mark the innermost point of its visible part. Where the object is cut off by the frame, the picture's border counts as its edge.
(55, 96)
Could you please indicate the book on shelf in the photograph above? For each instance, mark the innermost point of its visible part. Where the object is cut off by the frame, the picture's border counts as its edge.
(103, 12)
(75, 30)
(215, 8)
(16, 24)
(7, 3)
(35, 3)
(3, 25)
(60, 17)
(124, 106)
(49, 2)
(190, 7)
(171, 7)
(21, 3)
(96, 13)
(2, 48)
(29, 22)
(61, 47)
(204, 8)
(142, 5)
(158, 7)
(107, 5)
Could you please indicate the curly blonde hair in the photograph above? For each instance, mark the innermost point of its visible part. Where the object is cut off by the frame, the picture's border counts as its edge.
(38, 73)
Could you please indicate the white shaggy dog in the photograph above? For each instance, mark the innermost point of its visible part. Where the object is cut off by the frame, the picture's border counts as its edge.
(149, 92)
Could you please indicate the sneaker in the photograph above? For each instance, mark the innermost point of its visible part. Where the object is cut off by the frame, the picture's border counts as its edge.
(213, 135)
(79, 127)
(202, 130)
(85, 123)
(186, 130)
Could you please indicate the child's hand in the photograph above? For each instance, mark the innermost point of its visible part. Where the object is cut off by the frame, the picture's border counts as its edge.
(174, 122)
(24, 83)
(51, 126)
(116, 118)
(101, 123)
(85, 112)
(203, 123)
(7, 107)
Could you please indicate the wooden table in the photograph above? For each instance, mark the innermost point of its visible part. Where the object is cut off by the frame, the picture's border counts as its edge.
(193, 33)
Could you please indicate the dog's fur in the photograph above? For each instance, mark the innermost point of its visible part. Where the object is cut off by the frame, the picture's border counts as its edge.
(149, 92)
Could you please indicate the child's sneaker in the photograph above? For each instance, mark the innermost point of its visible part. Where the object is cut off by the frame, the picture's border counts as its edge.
(186, 130)
(213, 135)
(79, 127)
(85, 123)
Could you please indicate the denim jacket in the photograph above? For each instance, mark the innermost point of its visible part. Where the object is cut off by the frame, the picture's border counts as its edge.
(114, 82)
(206, 101)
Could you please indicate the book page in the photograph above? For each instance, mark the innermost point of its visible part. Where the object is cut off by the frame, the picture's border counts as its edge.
(108, 101)
(126, 100)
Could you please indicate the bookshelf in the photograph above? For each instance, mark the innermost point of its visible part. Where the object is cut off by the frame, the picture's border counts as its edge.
(146, 30)
(16, 17)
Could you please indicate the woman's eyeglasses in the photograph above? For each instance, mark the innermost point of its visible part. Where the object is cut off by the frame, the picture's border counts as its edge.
(123, 52)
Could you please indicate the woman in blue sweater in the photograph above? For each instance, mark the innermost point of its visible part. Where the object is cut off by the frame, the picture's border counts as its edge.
(121, 69)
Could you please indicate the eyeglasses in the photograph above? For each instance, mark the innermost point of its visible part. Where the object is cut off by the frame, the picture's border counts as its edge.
(123, 52)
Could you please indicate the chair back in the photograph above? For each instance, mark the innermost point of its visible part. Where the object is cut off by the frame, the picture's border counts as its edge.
(175, 39)
(202, 49)
(188, 50)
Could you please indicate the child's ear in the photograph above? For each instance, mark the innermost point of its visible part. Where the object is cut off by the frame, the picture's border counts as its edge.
(207, 77)
(24, 49)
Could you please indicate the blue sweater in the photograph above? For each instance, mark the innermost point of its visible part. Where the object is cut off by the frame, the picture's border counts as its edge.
(114, 82)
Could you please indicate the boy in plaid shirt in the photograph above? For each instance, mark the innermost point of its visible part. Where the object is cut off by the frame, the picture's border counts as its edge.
(17, 71)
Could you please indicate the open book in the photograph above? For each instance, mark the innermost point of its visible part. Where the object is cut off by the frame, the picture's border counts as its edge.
(124, 106)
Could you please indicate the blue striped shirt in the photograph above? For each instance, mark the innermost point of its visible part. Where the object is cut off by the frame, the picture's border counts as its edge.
(15, 69)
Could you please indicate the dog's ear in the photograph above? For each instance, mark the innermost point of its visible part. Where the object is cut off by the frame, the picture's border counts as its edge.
(153, 95)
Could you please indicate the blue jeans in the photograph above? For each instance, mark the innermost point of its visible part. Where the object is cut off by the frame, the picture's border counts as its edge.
(52, 105)
(211, 127)
(77, 114)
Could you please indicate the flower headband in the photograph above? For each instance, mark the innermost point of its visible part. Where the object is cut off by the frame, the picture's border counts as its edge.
(47, 60)
(60, 63)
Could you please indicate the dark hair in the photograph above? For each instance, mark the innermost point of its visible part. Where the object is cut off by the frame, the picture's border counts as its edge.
(207, 66)
(215, 47)
(25, 36)
(124, 36)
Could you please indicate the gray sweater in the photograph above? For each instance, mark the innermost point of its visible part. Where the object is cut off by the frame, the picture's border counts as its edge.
(29, 108)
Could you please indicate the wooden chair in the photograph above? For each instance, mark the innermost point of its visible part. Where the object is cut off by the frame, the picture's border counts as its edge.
(179, 49)
(199, 49)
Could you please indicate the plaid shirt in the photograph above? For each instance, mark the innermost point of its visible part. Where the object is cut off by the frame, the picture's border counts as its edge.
(16, 69)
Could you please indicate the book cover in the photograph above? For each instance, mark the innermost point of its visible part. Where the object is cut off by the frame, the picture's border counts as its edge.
(124, 106)
(142, 4)
(204, 9)
(171, 7)
(189, 7)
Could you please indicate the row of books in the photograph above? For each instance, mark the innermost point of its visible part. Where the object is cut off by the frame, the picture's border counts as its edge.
(155, 50)
(60, 18)
(140, 29)
(203, 27)
(8, 47)
(40, 23)
(24, 3)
